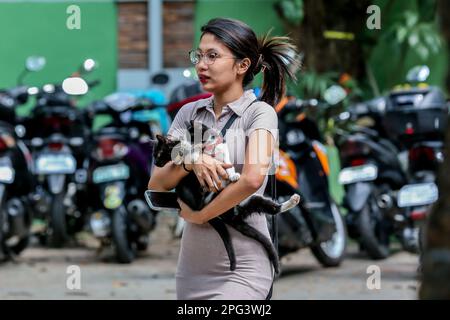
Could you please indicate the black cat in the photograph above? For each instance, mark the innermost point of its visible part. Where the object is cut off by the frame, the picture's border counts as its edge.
(190, 191)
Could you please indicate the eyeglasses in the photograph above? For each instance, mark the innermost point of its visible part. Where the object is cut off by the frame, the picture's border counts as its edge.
(209, 58)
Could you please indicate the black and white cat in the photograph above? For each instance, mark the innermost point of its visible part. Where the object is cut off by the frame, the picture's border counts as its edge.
(190, 191)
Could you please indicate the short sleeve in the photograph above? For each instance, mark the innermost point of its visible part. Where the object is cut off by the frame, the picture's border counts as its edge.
(179, 124)
(263, 116)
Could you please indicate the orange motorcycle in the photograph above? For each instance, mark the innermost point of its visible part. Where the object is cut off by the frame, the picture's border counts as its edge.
(302, 167)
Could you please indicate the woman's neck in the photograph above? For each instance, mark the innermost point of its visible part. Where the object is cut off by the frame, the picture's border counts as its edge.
(223, 98)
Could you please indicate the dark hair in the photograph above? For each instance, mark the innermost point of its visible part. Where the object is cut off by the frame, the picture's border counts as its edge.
(277, 57)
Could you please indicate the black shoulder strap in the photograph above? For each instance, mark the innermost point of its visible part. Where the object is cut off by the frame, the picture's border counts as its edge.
(228, 125)
(231, 120)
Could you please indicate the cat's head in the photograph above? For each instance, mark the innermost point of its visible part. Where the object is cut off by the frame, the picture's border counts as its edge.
(162, 150)
(206, 134)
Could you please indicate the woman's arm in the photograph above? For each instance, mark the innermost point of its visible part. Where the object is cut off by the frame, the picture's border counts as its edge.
(167, 177)
(207, 170)
(257, 163)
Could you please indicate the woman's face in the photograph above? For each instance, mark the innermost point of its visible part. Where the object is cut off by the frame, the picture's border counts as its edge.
(220, 75)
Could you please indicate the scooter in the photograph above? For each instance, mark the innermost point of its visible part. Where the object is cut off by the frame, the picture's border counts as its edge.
(57, 134)
(372, 173)
(416, 117)
(118, 173)
(303, 168)
(16, 179)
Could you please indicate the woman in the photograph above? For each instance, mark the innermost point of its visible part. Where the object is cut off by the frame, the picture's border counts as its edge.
(228, 57)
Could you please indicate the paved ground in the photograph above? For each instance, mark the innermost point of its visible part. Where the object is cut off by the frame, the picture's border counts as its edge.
(41, 273)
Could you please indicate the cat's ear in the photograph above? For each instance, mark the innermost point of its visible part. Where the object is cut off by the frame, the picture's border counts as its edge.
(160, 138)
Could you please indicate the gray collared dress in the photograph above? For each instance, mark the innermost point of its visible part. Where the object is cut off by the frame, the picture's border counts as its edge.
(203, 270)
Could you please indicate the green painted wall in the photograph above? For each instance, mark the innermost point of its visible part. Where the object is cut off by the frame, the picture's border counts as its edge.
(39, 28)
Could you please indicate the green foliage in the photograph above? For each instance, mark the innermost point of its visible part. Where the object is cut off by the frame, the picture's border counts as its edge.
(313, 85)
(411, 32)
(291, 11)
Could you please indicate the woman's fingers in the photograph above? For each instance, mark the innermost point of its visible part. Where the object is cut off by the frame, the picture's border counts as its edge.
(210, 171)
(221, 171)
(209, 183)
(216, 180)
(198, 173)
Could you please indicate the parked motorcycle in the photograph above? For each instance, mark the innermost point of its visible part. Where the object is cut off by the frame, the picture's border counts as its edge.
(303, 168)
(57, 134)
(416, 117)
(372, 173)
(118, 173)
(16, 178)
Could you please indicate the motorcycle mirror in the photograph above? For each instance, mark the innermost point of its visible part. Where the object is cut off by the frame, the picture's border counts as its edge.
(35, 63)
(48, 88)
(89, 65)
(334, 94)
(313, 102)
(33, 91)
(344, 116)
(187, 73)
(20, 130)
(190, 73)
(75, 86)
(418, 74)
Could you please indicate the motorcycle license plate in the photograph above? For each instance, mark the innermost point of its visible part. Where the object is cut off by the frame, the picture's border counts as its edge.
(417, 194)
(6, 174)
(367, 172)
(55, 163)
(111, 173)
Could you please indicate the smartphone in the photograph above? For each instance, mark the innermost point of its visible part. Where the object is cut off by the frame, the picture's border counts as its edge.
(162, 200)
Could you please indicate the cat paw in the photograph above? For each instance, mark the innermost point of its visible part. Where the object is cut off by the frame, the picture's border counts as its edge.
(295, 199)
(235, 177)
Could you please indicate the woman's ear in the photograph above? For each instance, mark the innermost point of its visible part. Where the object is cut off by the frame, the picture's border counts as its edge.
(244, 65)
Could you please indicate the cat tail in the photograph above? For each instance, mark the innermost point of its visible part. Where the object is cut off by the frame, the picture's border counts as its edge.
(261, 204)
(222, 230)
(291, 203)
(258, 203)
(251, 232)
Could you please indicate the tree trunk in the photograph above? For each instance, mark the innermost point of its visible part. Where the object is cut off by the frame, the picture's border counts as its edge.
(321, 54)
(436, 258)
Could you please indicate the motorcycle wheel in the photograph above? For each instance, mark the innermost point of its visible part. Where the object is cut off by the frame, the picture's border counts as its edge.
(20, 246)
(330, 253)
(58, 228)
(142, 243)
(124, 250)
(371, 234)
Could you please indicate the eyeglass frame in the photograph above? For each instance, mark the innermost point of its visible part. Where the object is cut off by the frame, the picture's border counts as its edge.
(203, 55)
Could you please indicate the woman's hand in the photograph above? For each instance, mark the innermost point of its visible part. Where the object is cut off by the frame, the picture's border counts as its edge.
(208, 170)
(190, 215)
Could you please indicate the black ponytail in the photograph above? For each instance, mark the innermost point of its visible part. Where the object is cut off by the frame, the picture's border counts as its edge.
(279, 59)
(276, 57)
